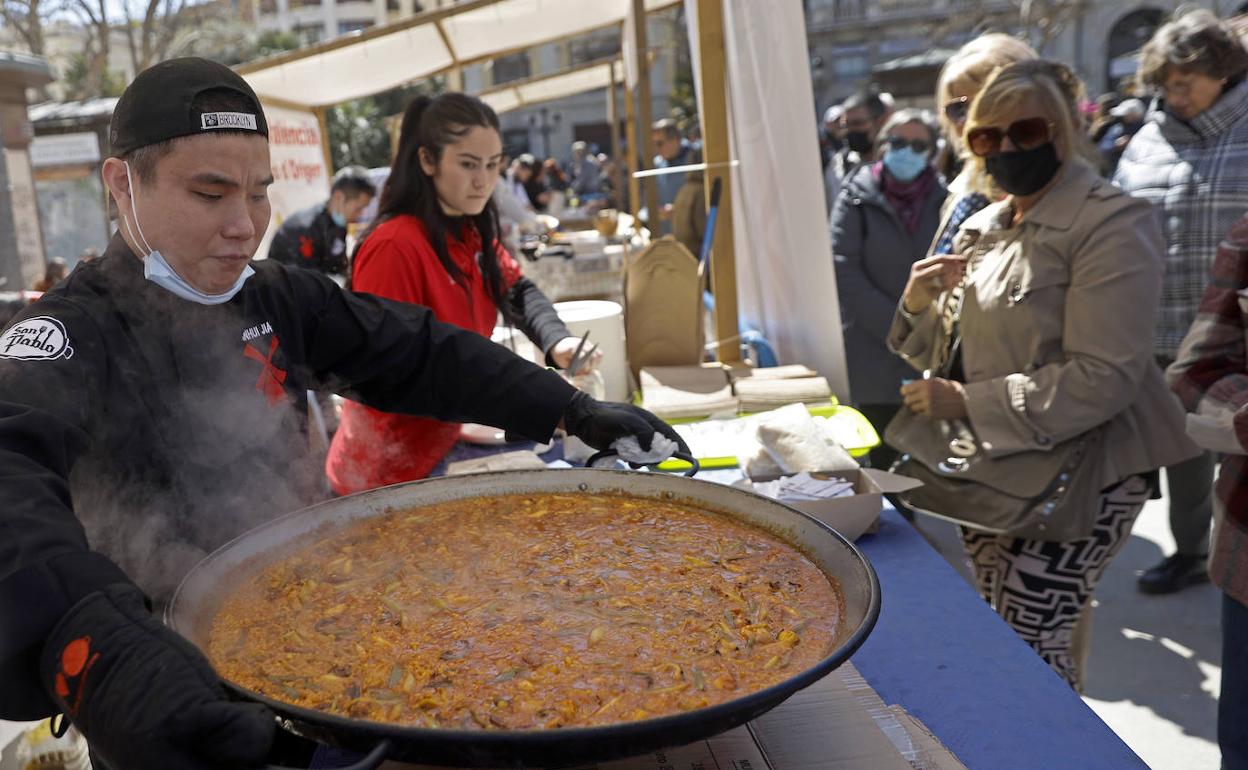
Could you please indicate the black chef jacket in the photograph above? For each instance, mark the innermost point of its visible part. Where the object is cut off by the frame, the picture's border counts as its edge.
(156, 429)
(309, 238)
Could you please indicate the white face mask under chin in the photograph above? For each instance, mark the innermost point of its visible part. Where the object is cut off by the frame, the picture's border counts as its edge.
(158, 270)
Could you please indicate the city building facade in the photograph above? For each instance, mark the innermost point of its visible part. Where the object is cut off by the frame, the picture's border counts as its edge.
(549, 129)
(317, 20)
(899, 45)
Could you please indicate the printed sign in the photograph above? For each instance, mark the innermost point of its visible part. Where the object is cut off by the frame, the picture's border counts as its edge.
(65, 149)
(41, 338)
(300, 178)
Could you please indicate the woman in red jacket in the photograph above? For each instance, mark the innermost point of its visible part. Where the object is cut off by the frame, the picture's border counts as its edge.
(425, 247)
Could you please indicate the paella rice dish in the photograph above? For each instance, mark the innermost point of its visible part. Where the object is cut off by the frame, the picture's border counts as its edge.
(527, 611)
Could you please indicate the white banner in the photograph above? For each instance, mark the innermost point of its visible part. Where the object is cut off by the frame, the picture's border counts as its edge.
(75, 149)
(628, 46)
(786, 283)
(300, 178)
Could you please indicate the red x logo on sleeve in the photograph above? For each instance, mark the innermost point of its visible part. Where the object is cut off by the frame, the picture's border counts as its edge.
(271, 377)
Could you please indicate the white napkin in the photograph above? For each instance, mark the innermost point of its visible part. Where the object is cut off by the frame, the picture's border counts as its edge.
(803, 487)
(629, 450)
(796, 442)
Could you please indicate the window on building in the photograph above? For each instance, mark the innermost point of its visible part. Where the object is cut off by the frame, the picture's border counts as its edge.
(596, 135)
(597, 46)
(310, 33)
(891, 7)
(850, 67)
(268, 6)
(509, 68)
(844, 10)
(516, 141)
(347, 27)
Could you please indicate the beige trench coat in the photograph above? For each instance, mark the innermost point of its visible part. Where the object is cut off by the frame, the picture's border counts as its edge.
(1057, 327)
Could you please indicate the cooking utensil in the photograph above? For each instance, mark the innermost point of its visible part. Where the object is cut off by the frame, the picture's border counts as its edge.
(196, 601)
(579, 363)
(577, 354)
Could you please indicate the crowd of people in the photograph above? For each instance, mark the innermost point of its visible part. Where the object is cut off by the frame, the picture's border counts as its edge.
(1019, 283)
(154, 402)
(1027, 279)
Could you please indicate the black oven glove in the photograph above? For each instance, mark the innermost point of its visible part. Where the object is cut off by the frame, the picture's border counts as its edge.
(599, 423)
(143, 696)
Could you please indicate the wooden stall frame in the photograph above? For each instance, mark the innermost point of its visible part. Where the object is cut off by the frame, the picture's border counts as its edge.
(717, 153)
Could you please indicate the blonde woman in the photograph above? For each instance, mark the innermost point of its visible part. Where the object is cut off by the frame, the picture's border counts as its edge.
(1058, 293)
(963, 75)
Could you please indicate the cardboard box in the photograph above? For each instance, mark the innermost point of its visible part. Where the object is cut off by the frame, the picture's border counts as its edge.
(854, 515)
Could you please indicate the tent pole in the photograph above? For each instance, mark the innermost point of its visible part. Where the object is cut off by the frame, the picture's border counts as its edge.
(630, 133)
(455, 75)
(716, 150)
(644, 107)
(613, 114)
(323, 122)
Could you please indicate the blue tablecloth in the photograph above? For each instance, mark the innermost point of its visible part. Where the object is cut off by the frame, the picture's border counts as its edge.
(939, 651)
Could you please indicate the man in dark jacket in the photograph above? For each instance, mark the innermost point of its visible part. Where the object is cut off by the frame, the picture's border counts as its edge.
(151, 409)
(316, 237)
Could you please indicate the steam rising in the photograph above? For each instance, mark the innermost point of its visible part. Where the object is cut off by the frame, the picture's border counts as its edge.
(221, 461)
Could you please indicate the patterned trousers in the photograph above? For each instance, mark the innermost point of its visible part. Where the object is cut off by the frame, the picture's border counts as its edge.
(1042, 588)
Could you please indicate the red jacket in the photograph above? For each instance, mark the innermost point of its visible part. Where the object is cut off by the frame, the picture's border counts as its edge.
(397, 261)
(1210, 376)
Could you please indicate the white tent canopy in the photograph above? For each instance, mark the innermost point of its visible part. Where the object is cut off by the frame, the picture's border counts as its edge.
(525, 93)
(384, 57)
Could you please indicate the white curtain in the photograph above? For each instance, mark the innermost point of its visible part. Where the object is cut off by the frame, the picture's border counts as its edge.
(786, 285)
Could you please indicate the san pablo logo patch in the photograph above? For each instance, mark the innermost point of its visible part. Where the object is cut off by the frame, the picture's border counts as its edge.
(41, 338)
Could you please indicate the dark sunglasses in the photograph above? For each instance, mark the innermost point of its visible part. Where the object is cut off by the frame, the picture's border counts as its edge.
(956, 109)
(1025, 134)
(921, 146)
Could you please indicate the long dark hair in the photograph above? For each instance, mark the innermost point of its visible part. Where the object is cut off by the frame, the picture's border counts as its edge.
(433, 124)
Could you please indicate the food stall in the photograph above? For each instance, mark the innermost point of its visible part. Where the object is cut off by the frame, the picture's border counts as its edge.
(928, 650)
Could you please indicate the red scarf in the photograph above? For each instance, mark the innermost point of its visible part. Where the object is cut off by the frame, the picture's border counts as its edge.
(906, 198)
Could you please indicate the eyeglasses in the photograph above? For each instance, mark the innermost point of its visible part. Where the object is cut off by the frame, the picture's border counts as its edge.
(1025, 134)
(921, 146)
(956, 109)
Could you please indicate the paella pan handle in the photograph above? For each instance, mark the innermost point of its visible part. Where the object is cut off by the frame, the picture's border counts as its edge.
(370, 761)
(693, 461)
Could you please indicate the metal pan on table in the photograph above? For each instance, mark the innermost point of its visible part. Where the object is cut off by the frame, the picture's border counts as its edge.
(197, 599)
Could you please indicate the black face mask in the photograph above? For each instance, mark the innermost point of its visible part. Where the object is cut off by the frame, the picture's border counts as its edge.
(859, 141)
(1024, 172)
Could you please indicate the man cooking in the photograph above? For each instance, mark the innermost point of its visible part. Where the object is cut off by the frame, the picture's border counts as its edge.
(152, 408)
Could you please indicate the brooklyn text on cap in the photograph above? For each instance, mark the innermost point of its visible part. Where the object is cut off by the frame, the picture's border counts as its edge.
(158, 105)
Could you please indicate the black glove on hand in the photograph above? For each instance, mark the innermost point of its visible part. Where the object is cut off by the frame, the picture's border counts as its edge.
(143, 696)
(599, 423)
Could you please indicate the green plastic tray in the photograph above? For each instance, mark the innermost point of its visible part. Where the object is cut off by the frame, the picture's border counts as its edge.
(852, 429)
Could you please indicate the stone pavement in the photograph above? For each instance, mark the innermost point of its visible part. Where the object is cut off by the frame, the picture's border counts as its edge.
(1155, 661)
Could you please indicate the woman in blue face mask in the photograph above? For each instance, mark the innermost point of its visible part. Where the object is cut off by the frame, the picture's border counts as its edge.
(883, 221)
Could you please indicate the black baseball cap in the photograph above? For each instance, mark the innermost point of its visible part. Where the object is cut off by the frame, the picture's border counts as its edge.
(157, 107)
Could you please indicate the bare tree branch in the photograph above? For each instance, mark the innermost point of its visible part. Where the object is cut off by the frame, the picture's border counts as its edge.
(1044, 20)
(27, 18)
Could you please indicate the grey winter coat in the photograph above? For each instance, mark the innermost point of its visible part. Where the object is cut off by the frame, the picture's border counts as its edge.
(873, 254)
(1197, 174)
